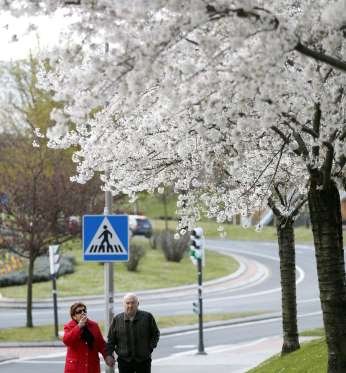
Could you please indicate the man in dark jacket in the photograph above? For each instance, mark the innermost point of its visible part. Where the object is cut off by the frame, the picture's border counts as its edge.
(133, 335)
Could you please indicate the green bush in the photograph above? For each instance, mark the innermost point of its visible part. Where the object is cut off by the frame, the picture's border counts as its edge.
(154, 240)
(136, 254)
(173, 249)
(41, 271)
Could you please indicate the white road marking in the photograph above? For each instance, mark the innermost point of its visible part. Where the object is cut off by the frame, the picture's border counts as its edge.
(184, 346)
(214, 349)
(33, 361)
(230, 326)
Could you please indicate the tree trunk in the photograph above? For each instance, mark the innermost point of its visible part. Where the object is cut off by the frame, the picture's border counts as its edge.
(285, 233)
(164, 200)
(326, 224)
(29, 322)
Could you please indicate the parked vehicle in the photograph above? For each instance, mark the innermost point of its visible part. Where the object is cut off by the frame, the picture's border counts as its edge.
(140, 225)
(74, 225)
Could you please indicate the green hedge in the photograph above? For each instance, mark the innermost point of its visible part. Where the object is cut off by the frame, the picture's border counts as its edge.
(41, 271)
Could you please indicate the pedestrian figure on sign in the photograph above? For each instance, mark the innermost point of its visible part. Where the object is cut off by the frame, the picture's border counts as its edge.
(106, 233)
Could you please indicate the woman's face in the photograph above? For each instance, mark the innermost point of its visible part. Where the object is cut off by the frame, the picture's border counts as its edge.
(79, 313)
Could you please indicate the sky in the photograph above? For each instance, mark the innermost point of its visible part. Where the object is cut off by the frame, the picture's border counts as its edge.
(46, 35)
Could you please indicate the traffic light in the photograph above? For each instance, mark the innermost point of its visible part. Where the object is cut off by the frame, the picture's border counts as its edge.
(197, 244)
(54, 259)
(195, 308)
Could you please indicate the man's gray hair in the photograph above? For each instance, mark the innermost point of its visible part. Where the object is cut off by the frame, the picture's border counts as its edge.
(131, 295)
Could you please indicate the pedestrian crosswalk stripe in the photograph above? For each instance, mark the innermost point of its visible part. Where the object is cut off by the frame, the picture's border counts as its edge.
(102, 249)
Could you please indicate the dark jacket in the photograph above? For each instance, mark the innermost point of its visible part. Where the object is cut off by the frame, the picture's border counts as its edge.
(80, 358)
(133, 340)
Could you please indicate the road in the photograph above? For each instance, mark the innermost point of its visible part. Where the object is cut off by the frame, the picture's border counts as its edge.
(262, 294)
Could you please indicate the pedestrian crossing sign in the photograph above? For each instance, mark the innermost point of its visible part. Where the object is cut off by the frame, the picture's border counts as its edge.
(106, 238)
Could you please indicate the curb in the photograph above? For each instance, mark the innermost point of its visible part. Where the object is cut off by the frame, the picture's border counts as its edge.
(8, 358)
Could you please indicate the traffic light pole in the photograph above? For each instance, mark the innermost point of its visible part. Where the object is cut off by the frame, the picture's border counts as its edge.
(54, 264)
(55, 306)
(200, 308)
(108, 279)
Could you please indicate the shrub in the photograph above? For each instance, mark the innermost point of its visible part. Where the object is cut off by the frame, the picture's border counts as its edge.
(173, 249)
(136, 254)
(41, 271)
(154, 240)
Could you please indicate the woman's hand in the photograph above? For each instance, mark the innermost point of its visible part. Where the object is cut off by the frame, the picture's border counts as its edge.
(110, 361)
(82, 321)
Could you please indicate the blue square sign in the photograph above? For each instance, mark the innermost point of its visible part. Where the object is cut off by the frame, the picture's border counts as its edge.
(106, 238)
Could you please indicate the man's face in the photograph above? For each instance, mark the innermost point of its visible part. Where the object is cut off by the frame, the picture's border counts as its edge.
(130, 306)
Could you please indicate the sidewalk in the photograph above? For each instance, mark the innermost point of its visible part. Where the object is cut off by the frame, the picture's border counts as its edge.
(222, 359)
(236, 358)
(225, 358)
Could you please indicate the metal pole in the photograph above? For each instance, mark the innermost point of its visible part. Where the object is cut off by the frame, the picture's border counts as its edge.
(108, 279)
(55, 305)
(200, 309)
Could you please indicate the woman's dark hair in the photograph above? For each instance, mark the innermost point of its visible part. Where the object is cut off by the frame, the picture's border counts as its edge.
(74, 307)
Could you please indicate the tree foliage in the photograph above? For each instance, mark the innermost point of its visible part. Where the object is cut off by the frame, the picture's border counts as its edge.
(36, 180)
(221, 99)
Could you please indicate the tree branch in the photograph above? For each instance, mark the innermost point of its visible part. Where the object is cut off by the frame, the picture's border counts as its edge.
(285, 138)
(318, 56)
(316, 125)
(299, 206)
(277, 191)
(309, 130)
(341, 163)
(275, 210)
(328, 163)
(302, 147)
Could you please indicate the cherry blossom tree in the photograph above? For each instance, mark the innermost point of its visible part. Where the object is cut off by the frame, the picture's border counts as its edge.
(285, 233)
(141, 38)
(184, 86)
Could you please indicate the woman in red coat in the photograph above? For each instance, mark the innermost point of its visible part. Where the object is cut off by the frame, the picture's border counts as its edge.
(84, 341)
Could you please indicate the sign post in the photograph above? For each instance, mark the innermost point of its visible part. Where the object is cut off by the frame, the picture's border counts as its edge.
(106, 239)
(54, 264)
(108, 280)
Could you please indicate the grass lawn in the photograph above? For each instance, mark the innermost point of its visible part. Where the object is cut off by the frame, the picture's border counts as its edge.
(46, 332)
(154, 272)
(236, 232)
(310, 358)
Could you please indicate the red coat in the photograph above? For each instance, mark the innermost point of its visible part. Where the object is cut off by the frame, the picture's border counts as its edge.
(80, 358)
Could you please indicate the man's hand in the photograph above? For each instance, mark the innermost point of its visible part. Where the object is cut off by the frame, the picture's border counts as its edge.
(110, 361)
